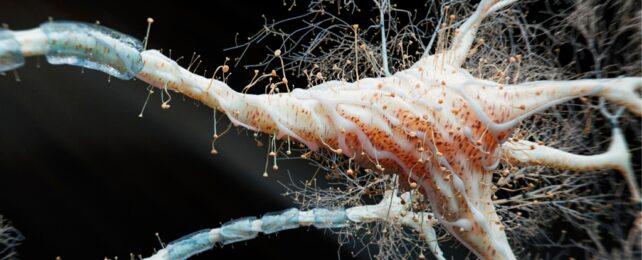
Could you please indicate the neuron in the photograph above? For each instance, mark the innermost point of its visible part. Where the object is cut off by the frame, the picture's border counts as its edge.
(432, 130)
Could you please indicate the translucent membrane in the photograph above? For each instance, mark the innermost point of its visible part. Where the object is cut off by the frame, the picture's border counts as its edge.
(94, 47)
(330, 218)
(277, 221)
(10, 55)
(237, 230)
(190, 245)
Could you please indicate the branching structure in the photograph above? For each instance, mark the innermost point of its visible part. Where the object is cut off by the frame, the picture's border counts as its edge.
(440, 131)
(9, 239)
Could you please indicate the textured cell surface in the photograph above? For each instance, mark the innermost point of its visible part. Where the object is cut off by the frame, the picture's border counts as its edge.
(94, 47)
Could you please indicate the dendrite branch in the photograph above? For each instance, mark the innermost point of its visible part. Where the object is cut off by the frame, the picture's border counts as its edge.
(503, 107)
(464, 38)
(383, 6)
(617, 157)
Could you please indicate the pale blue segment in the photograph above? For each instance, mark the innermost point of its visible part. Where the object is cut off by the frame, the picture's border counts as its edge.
(237, 230)
(94, 47)
(330, 218)
(190, 245)
(10, 55)
(277, 221)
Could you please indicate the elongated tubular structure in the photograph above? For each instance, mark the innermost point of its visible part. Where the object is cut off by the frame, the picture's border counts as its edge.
(616, 157)
(390, 209)
(434, 124)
